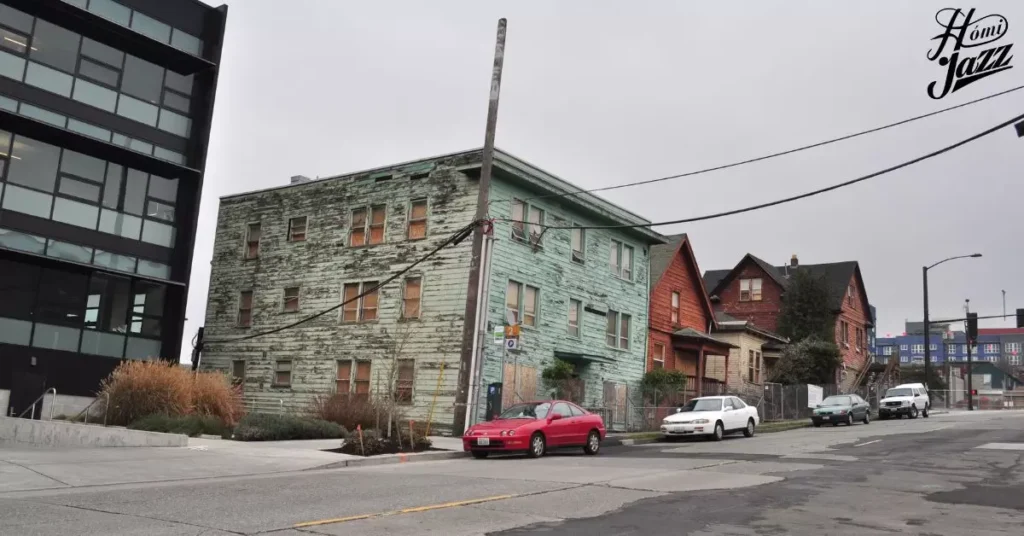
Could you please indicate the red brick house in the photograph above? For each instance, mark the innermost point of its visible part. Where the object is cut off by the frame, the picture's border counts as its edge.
(753, 290)
(681, 317)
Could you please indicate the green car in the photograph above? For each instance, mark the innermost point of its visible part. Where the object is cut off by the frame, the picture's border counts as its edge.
(841, 409)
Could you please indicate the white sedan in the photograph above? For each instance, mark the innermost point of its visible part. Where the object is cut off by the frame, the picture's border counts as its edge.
(712, 416)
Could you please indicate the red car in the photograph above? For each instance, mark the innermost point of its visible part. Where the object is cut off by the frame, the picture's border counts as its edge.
(535, 427)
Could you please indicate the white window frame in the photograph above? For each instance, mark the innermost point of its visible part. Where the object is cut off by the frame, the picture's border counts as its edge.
(903, 347)
(658, 361)
(410, 220)
(405, 297)
(521, 289)
(524, 228)
(362, 287)
(297, 298)
(283, 365)
(992, 348)
(577, 307)
(917, 349)
(675, 311)
(618, 250)
(753, 287)
(621, 343)
(578, 256)
(291, 228)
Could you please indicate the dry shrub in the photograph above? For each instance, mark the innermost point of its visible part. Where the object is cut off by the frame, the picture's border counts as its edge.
(347, 411)
(138, 389)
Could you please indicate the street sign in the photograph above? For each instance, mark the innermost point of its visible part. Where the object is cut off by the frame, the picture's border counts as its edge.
(499, 336)
(511, 344)
(512, 331)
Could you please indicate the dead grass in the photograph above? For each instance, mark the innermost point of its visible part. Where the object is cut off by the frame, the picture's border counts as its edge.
(141, 388)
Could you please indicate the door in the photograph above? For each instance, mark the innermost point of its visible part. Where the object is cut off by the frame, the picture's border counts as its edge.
(561, 430)
(729, 414)
(580, 426)
(26, 388)
(919, 398)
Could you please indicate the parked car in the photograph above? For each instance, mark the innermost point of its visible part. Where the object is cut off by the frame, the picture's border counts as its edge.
(535, 428)
(908, 399)
(841, 409)
(711, 416)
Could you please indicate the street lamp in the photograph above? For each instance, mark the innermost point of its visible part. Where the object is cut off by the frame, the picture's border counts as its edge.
(927, 327)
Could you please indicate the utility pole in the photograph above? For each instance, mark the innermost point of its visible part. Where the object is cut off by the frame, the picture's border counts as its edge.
(927, 333)
(970, 367)
(471, 320)
(1004, 305)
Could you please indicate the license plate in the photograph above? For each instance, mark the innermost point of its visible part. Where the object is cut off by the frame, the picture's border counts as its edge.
(483, 441)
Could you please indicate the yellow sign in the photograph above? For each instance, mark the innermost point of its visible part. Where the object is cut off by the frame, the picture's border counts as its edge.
(511, 331)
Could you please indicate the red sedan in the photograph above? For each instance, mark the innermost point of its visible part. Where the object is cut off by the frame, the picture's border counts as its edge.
(535, 427)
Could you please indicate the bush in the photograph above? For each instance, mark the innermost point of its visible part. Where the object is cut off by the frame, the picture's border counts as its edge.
(259, 427)
(138, 389)
(191, 425)
(347, 411)
(373, 445)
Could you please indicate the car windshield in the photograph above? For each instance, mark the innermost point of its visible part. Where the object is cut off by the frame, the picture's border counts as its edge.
(535, 410)
(702, 404)
(899, 392)
(837, 401)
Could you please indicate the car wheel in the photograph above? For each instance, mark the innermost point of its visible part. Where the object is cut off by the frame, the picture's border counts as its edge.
(883, 417)
(913, 412)
(593, 443)
(537, 446)
(479, 454)
(867, 417)
(817, 425)
(719, 432)
(749, 430)
(849, 419)
(924, 413)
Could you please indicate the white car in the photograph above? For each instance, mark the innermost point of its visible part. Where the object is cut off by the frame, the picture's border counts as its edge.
(711, 416)
(908, 399)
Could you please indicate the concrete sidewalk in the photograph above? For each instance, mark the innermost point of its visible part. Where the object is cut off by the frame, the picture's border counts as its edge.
(34, 468)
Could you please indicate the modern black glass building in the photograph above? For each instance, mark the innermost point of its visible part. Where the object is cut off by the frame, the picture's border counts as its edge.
(105, 112)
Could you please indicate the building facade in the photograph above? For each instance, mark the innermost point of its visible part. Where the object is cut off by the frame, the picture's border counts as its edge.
(995, 345)
(105, 112)
(287, 253)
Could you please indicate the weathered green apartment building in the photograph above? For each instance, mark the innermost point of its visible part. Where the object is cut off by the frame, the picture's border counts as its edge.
(284, 254)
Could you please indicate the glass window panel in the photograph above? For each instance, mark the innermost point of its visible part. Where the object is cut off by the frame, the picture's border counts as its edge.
(140, 146)
(165, 189)
(71, 252)
(160, 211)
(171, 156)
(137, 110)
(75, 213)
(87, 129)
(13, 41)
(179, 83)
(10, 105)
(148, 298)
(98, 72)
(80, 189)
(22, 242)
(61, 297)
(18, 20)
(55, 46)
(34, 164)
(108, 301)
(15, 331)
(12, 66)
(56, 337)
(142, 79)
(173, 100)
(186, 42)
(154, 269)
(174, 123)
(150, 27)
(98, 51)
(45, 116)
(18, 288)
(82, 165)
(49, 79)
(142, 348)
(122, 263)
(120, 224)
(111, 10)
(135, 192)
(121, 139)
(27, 202)
(158, 233)
(105, 344)
(112, 188)
(5, 142)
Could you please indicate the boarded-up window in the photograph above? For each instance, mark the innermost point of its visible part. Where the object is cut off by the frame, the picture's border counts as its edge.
(297, 229)
(252, 240)
(368, 309)
(411, 297)
(418, 219)
(356, 308)
(357, 233)
(362, 382)
(245, 309)
(520, 384)
(291, 299)
(378, 216)
(405, 381)
(283, 373)
(343, 383)
(675, 308)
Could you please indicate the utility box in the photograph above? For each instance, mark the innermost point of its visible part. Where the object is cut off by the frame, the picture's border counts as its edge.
(493, 401)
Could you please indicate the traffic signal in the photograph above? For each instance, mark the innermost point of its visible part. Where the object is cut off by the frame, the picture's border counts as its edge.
(972, 326)
(974, 392)
(1020, 318)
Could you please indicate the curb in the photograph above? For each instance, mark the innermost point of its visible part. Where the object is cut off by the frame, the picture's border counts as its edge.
(388, 459)
(627, 442)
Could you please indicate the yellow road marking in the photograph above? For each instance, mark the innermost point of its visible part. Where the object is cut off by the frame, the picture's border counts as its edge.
(415, 509)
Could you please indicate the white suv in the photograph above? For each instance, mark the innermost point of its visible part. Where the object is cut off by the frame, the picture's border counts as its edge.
(908, 399)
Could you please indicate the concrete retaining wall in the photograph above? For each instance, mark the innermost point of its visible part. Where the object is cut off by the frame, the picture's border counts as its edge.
(66, 434)
(5, 397)
(65, 405)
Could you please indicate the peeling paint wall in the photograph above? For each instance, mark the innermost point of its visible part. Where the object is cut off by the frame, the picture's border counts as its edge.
(320, 266)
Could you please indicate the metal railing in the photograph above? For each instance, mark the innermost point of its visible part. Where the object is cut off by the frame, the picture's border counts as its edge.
(32, 407)
(86, 412)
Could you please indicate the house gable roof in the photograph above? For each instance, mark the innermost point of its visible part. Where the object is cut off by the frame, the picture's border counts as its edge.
(662, 256)
(729, 275)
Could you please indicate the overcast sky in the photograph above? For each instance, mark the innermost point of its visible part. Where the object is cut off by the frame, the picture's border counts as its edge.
(602, 92)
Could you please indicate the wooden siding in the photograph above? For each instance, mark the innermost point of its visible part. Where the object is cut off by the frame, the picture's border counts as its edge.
(856, 314)
(764, 313)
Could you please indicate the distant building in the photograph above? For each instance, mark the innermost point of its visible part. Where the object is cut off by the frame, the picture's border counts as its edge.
(993, 345)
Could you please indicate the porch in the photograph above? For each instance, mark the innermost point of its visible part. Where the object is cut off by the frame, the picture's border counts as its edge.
(690, 351)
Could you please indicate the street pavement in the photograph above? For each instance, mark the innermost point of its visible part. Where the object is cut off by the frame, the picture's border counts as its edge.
(954, 474)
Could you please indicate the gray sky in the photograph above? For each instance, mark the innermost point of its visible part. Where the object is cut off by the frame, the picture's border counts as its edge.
(601, 93)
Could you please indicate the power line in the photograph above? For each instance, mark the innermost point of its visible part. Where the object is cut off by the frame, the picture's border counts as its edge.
(786, 199)
(452, 240)
(769, 156)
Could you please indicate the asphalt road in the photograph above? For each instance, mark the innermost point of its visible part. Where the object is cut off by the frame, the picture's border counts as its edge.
(948, 475)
